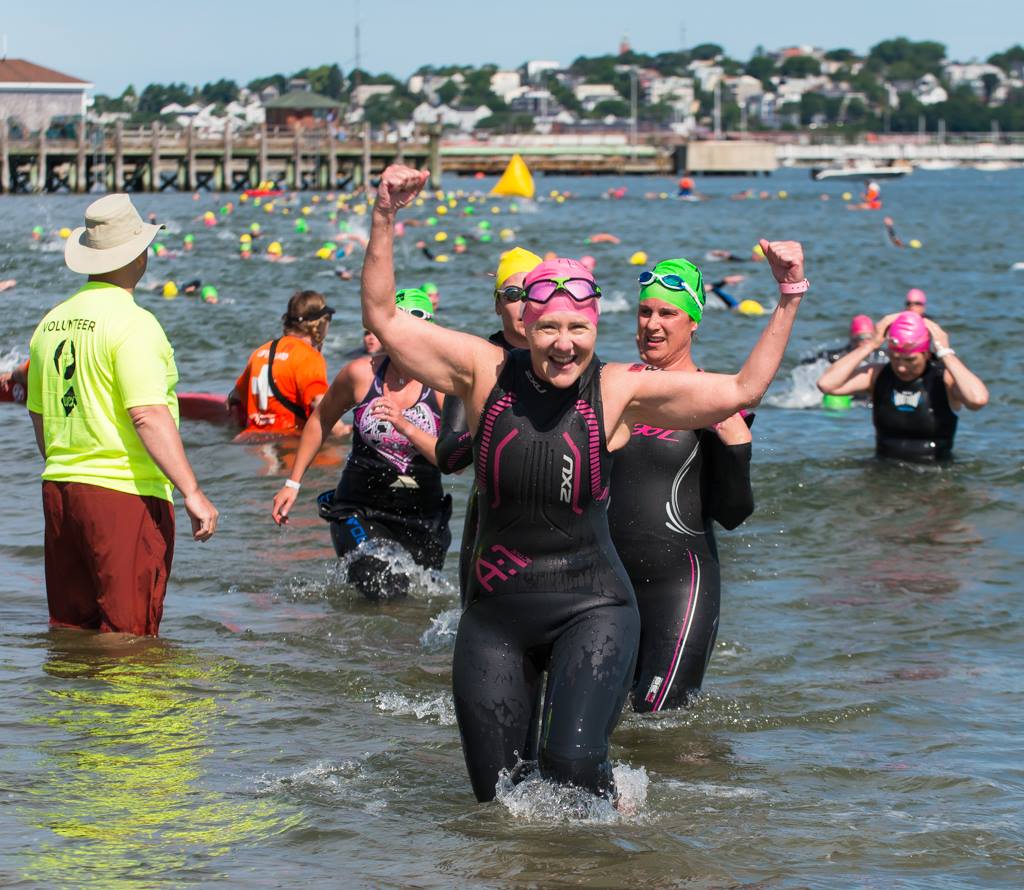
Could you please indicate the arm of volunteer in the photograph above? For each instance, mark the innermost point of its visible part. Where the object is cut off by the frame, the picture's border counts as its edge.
(159, 435)
(453, 451)
(440, 358)
(37, 428)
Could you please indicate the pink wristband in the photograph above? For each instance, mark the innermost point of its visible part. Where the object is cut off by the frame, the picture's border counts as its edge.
(794, 287)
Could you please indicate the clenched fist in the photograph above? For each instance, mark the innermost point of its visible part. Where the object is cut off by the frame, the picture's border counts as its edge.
(399, 186)
(786, 259)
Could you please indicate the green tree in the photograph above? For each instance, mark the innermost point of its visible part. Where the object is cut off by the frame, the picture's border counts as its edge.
(279, 81)
(508, 122)
(327, 80)
(989, 83)
(1013, 57)
(220, 91)
(157, 95)
(705, 52)
(917, 58)
(800, 66)
(388, 109)
(448, 92)
(840, 55)
(613, 107)
(762, 67)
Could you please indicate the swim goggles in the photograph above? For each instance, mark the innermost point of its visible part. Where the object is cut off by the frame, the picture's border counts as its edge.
(914, 303)
(580, 289)
(670, 282)
(416, 312)
(511, 294)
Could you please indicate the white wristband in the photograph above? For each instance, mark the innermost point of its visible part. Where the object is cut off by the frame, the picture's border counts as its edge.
(943, 351)
(291, 483)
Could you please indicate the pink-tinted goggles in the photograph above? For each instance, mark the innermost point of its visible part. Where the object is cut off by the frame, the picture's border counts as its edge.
(580, 289)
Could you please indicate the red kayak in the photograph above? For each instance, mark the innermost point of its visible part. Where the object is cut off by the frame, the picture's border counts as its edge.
(208, 407)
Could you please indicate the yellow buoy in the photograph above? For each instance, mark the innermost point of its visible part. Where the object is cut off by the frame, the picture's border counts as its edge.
(638, 259)
(847, 196)
(783, 194)
(750, 307)
(516, 181)
(914, 243)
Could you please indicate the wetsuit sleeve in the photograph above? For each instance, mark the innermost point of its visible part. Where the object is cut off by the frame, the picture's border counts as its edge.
(454, 449)
(727, 495)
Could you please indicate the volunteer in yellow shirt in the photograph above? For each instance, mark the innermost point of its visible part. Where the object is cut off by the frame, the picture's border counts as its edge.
(101, 396)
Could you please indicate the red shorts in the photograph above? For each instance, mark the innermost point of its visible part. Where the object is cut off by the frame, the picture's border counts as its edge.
(108, 556)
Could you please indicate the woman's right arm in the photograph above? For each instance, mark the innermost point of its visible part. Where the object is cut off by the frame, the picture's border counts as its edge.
(443, 359)
(339, 398)
(848, 375)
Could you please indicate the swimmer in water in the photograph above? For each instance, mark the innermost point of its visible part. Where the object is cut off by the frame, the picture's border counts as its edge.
(915, 394)
(890, 230)
(547, 590)
(917, 302)
(455, 442)
(691, 477)
(390, 489)
(7, 284)
(862, 329)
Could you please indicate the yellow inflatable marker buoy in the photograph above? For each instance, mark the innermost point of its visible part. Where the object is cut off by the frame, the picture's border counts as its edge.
(750, 307)
(516, 181)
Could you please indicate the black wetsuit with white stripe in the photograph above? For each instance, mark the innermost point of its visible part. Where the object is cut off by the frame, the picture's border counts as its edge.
(668, 486)
(546, 589)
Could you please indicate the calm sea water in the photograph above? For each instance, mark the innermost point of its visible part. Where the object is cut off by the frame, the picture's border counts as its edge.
(863, 714)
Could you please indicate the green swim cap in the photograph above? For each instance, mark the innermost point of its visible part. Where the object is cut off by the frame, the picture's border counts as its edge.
(415, 302)
(836, 403)
(680, 298)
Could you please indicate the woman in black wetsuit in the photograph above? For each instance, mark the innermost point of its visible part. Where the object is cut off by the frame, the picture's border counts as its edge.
(915, 394)
(668, 486)
(390, 489)
(455, 443)
(547, 590)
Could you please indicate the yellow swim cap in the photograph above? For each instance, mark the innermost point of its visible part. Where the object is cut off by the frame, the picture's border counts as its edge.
(170, 290)
(514, 261)
(750, 307)
(914, 243)
(274, 248)
(638, 259)
(441, 236)
(65, 233)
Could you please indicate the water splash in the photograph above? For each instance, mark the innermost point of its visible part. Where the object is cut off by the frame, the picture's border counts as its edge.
(442, 630)
(439, 707)
(423, 581)
(803, 389)
(539, 801)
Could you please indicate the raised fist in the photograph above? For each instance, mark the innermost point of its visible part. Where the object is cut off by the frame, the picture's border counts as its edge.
(786, 259)
(399, 186)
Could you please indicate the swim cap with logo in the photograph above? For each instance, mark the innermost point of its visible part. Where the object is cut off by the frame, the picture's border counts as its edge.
(679, 298)
(908, 334)
(415, 301)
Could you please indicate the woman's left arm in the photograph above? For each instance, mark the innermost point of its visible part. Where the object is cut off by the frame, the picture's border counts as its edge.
(964, 387)
(686, 400)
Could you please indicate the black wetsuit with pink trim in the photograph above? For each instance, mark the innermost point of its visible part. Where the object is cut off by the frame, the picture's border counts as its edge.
(667, 489)
(389, 492)
(547, 590)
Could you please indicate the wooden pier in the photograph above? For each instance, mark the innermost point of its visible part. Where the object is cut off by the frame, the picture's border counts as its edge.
(152, 159)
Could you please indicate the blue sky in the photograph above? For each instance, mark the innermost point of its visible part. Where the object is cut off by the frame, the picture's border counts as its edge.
(113, 43)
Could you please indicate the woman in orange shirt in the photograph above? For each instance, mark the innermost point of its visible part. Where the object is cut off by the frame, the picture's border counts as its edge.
(285, 379)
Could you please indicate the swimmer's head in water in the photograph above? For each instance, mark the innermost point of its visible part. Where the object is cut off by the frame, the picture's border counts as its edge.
(916, 300)
(517, 261)
(678, 282)
(560, 285)
(861, 327)
(908, 335)
(416, 302)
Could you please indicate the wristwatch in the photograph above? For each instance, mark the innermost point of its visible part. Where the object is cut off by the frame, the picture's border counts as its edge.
(793, 287)
(943, 351)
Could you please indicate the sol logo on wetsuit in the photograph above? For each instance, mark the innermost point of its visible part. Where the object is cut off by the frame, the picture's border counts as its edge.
(642, 429)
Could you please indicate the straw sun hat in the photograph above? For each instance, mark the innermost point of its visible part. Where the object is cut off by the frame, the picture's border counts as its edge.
(113, 235)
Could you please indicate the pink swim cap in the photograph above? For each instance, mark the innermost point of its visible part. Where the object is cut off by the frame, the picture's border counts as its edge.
(861, 324)
(561, 267)
(916, 295)
(908, 334)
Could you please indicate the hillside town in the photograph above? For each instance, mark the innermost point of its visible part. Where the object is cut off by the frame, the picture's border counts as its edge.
(899, 85)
